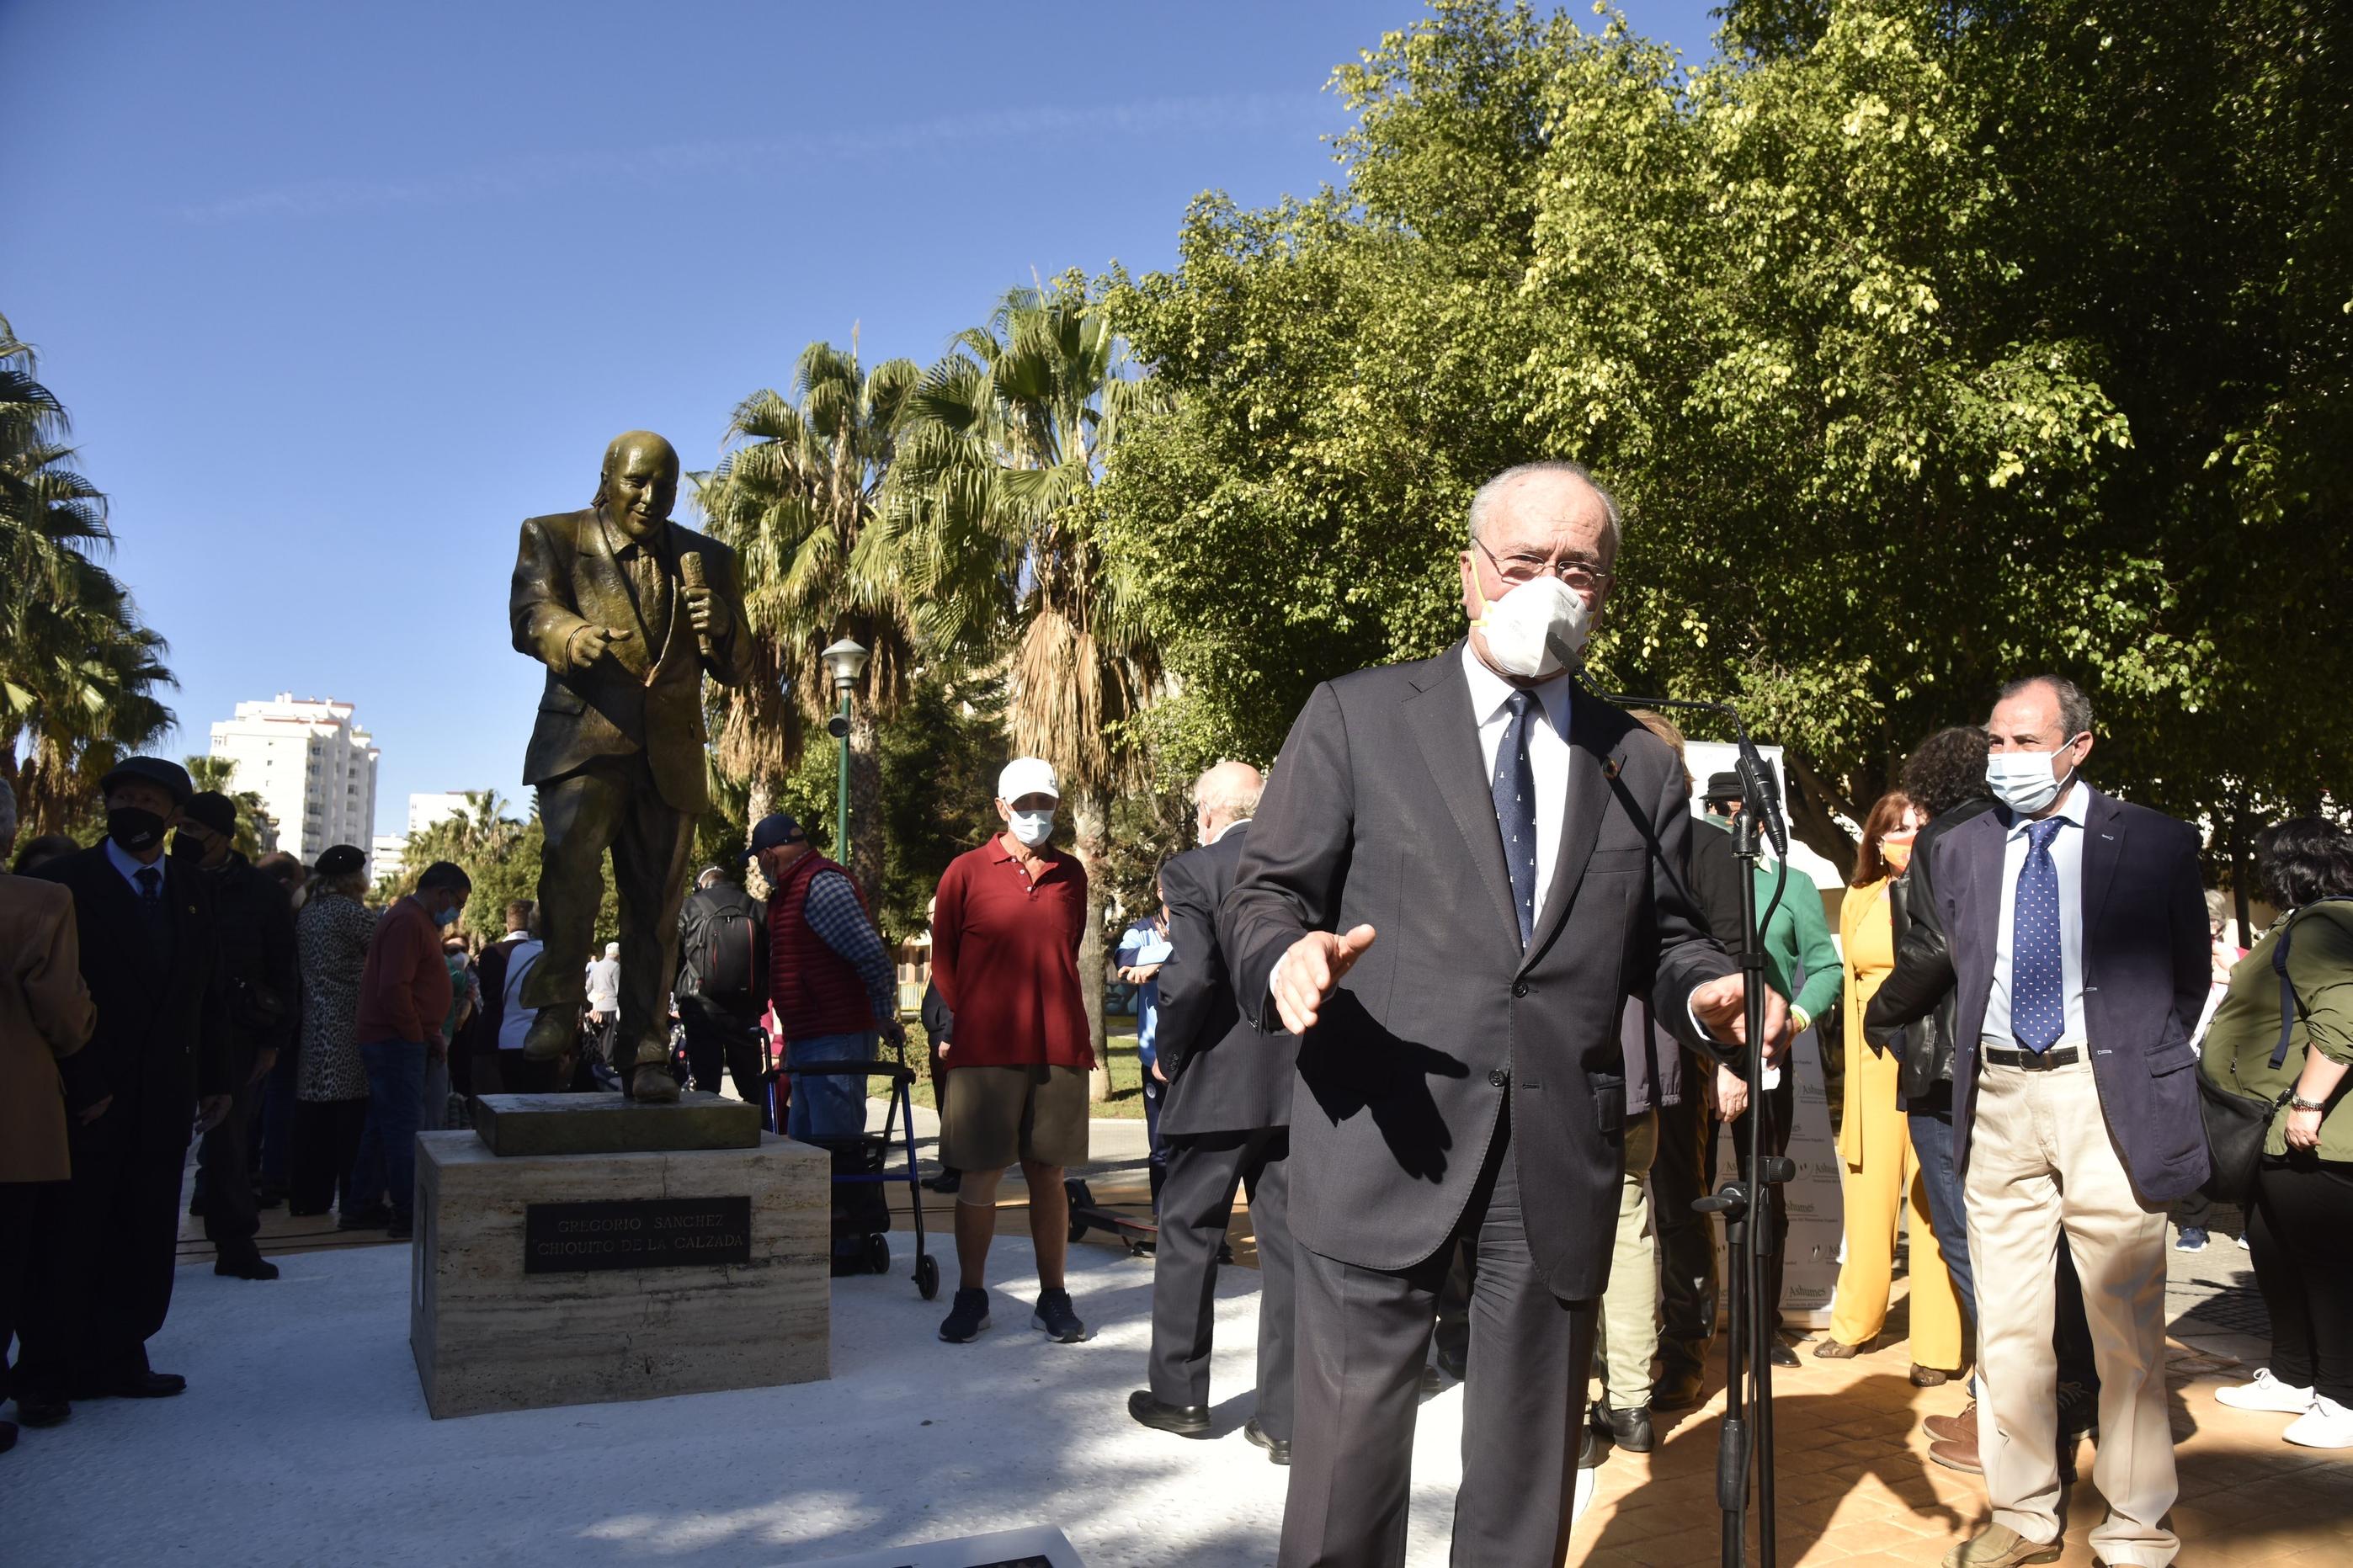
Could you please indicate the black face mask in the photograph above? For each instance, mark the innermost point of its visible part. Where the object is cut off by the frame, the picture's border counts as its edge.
(185, 846)
(135, 828)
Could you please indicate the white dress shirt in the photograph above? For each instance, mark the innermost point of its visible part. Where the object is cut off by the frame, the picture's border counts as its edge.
(1491, 698)
(128, 864)
(2067, 855)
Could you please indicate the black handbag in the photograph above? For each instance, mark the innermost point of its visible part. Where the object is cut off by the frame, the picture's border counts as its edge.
(2236, 1125)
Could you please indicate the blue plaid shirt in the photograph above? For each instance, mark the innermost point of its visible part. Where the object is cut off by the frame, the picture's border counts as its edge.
(840, 920)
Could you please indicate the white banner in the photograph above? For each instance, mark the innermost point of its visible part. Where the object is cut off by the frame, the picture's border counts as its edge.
(1816, 1206)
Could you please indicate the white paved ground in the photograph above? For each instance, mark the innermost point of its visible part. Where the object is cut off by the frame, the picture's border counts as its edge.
(304, 1439)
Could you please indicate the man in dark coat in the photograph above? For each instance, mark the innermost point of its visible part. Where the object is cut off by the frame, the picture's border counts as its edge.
(722, 986)
(260, 979)
(1461, 869)
(628, 611)
(1226, 1127)
(157, 1065)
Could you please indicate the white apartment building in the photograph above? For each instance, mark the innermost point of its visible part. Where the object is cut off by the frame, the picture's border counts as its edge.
(425, 810)
(312, 767)
(387, 856)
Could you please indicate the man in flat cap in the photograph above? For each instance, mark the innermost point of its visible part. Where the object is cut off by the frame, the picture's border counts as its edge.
(261, 983)
(628, 611)
(157, 1067)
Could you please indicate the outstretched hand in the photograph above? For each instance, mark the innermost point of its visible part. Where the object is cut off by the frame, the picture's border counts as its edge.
(1311, 969)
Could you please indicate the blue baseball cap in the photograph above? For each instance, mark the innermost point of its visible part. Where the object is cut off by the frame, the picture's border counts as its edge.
(778, 828)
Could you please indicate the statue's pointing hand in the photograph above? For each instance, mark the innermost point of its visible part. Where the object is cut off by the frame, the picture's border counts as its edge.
(591, 642)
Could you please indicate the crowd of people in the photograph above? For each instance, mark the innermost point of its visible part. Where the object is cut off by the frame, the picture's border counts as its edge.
(1449, 998)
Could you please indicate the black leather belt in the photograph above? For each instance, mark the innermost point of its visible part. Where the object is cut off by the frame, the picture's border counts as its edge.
(2033, 1061)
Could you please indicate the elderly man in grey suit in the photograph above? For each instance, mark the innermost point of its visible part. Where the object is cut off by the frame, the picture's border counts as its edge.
(1226, 1123)
(2077, 929)
(1461, 869)
(628, 611)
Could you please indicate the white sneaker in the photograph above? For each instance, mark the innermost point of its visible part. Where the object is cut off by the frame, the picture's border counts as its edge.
(2328, 1424)
(2266, 1392)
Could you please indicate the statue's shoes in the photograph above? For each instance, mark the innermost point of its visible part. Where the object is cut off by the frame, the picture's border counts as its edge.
(552, 1033)
(653, 1086)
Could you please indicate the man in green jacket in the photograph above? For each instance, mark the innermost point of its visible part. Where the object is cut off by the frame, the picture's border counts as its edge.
(1801, 962)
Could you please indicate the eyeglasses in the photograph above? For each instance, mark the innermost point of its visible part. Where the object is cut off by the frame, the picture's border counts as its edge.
(1579, 576)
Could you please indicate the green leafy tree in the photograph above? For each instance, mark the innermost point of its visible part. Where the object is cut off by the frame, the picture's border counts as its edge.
(1928, 344)
(81, 678)
(994, 518)
(795, 494)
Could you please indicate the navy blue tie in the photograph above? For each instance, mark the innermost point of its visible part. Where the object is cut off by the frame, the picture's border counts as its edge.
(2038, 981)
(1514, 789)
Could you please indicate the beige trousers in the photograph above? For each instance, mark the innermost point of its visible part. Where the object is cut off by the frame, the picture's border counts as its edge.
(1627, 1338)
(2040, 1159)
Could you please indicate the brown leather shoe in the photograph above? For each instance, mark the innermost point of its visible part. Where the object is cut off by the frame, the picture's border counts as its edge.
(551, 1034)
(1998, 1546)
(1959, 1456)
(1961, 1428)
(651, 1083)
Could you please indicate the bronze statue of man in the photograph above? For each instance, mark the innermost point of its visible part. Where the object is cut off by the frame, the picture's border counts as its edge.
(628, 610)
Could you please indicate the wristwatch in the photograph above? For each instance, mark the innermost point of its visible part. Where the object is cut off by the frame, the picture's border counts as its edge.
(2297, 1103)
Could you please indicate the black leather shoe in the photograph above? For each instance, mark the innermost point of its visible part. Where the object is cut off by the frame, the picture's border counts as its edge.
(1278, 1449)
(1629, 1429)
(7, 1435)
(1589, 1454)
(375, 1217)
(254, 1267)
(1680, 1385)
(1185, 1420)
(1782, 1355)
(136, 1386)
(42, 1412)
(1454, 1366)
(1433, 1381)
(945, 1182)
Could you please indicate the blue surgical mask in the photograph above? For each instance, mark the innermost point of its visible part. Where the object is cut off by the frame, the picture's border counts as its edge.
(1032, 827)
(447, 917)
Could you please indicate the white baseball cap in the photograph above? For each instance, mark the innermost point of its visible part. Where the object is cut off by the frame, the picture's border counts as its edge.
(1027, 776)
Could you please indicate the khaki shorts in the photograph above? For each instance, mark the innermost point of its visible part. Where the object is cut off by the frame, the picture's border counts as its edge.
(996, 1115)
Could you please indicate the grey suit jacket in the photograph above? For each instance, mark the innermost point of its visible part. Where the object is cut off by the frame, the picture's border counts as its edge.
(1226, 1074)
(2146, 969)
(638, 698)
(1379, 812)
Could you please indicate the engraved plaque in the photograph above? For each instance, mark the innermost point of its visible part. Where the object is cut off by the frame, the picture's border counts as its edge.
(636, 1233)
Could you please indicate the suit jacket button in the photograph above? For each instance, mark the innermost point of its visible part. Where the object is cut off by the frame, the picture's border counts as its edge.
(1500, 1078)
(1519, 988)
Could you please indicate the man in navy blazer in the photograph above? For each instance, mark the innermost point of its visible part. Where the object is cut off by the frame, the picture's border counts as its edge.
(2079, 945)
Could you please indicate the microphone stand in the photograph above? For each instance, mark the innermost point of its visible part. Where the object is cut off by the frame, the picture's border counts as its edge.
(1746, 1203)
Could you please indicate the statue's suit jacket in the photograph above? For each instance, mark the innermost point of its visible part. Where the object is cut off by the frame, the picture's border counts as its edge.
(1379, 811)
(634, 700)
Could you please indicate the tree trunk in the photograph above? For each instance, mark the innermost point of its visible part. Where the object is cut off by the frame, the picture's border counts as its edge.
(760, 798)
(1809, 816)
(1089, 824)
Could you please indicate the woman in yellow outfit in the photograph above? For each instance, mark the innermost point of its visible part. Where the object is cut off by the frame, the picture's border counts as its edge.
(1881, 1172)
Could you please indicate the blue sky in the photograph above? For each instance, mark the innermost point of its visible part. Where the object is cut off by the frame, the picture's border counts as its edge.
(337, 294)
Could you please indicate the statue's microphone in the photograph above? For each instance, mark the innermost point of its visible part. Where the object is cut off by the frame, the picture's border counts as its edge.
(689, 568)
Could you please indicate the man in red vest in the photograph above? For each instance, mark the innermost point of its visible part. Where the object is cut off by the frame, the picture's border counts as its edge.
(828, 977)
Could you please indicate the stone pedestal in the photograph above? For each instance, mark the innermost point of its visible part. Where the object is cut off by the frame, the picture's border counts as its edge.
(578, 1279)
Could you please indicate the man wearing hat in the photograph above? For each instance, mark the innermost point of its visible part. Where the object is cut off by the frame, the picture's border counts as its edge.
(1005, 954)
(831, 981)
(255, 926)
(157, 1065)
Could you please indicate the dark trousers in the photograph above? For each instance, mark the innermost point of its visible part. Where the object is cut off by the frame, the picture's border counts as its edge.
(276, 1119)
(386, 1167)
(103, 1258)
(22, 1207)
(1781, 1104)
(939, 1096)
(713, 1042)
(1364, 1334)
(1679, 1178)
(231, 1217)
(324, 1147)
(2297, 1238)
(1197, 1201)
(611, 804)
(1156, 1148)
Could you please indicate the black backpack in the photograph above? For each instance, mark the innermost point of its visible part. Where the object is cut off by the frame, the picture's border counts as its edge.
(725, 955)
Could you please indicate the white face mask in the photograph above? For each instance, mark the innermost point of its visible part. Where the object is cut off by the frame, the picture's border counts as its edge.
(1031, 828)
(1534, 630)
(2023, 781)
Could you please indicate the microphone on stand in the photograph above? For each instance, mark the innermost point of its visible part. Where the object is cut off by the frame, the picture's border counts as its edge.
(690, 571)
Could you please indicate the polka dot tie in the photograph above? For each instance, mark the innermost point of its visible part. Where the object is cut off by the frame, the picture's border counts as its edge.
(2038, 986)
(1514, 789)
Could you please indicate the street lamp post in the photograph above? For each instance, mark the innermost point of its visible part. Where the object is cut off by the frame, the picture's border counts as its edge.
(846, 661)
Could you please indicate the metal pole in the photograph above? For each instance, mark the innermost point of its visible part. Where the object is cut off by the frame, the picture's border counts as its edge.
(841, 794)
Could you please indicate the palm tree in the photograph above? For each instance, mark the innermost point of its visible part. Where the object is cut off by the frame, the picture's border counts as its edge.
(796, 493)
(993, 503)
(256, 830)
(79, 676)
